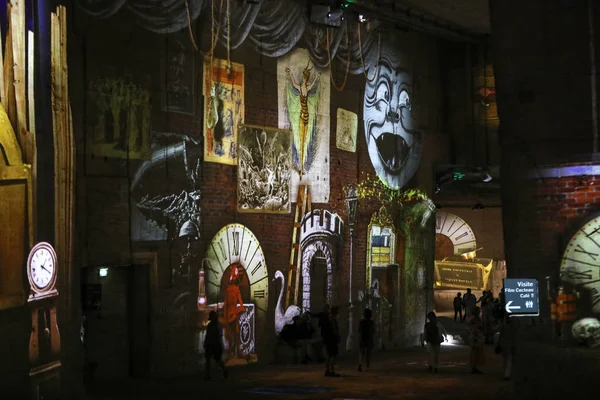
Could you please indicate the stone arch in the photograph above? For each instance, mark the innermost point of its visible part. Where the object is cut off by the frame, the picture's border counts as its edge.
(308, 252)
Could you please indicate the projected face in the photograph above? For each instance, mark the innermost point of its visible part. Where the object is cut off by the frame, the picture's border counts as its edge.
(390, 128)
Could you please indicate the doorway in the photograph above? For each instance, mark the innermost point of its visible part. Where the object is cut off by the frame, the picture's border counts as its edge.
(318, 281)
(116, 307)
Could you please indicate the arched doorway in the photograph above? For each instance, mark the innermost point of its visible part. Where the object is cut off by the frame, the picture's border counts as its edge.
(318, 277)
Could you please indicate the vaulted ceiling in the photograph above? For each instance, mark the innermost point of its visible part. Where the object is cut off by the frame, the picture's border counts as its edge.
(461, 20)
(471, 15)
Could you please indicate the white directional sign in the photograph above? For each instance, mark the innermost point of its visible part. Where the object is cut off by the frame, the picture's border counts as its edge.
(521, 296)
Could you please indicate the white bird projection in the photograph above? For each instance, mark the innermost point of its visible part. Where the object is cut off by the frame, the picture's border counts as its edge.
(281, 318)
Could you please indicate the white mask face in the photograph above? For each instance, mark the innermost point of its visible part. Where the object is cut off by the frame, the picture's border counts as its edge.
(390, 127)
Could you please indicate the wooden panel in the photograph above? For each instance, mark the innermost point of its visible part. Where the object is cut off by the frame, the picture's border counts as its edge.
(14, 241)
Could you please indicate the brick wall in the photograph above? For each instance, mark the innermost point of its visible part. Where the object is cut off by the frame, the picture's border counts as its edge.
(115, 47)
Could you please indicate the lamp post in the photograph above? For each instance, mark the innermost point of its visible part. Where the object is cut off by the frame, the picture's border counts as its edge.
(351, 206)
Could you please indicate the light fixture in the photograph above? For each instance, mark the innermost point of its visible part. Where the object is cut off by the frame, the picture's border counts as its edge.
(486, 177)
(362, 18)
(103, 272)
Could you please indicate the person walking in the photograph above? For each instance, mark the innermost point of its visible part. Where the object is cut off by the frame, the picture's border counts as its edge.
(331, 339)
(366, 332)
(476, 340)
(213, 345)
(433, 336)
(458, 307)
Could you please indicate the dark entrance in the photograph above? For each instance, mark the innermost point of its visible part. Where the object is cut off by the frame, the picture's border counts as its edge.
(116, 308)
(318, 281)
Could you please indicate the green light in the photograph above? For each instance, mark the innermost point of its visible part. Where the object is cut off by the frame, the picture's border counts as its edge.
(457, 176)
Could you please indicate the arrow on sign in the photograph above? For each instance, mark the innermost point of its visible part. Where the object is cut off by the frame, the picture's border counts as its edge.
(509, 307)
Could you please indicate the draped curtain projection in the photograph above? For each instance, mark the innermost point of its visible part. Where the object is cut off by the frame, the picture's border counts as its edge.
(273, 26)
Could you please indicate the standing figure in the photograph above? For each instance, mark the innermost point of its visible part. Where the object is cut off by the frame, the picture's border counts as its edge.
(458, 307)
(331, 339)
(233, 307)
(213, 344)
(366, 332)
(476, 339)
(506, 346)
(434, 334)
(304, 125)
(469, 303)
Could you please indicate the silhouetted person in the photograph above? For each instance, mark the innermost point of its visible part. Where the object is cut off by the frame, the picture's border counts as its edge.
(213, 344)
(476, 340)
(458, 307)
(366, 332)
(469, 302)
(323, 318)
(506, 346)
(434, 334)
(331, 339)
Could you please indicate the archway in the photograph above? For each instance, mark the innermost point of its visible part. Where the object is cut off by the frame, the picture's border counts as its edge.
(317, 274)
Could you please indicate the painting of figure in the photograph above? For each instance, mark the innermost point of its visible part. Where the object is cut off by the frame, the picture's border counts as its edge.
(303, 104)
(264, 170)
(223, 110)
(178, 78)
(347, 126)
(393, 140)
(118, 118)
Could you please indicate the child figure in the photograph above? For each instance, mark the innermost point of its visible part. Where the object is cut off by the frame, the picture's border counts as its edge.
(434, 335)
(213, 344)
(366, 332)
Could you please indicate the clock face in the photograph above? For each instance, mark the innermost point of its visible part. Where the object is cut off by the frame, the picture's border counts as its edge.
(457, 230)
(236, 269)
(580, 265)
(41, 267)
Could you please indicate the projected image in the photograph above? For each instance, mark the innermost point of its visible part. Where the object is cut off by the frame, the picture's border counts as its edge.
(390, 126)
(236, 287)
(264, 170)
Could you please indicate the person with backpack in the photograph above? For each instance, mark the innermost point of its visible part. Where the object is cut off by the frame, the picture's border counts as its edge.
(434, 334)
(366, 332)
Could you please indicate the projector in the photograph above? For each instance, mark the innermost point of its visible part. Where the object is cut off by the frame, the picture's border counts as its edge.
(325, 15)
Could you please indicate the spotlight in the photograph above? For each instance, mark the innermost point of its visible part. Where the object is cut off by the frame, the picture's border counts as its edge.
(328, 15)
(362, 18)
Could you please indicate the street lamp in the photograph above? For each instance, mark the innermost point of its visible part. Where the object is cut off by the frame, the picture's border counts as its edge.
(351, 206)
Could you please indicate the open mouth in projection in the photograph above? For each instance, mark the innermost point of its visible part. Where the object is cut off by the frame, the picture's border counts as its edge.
(393, 151)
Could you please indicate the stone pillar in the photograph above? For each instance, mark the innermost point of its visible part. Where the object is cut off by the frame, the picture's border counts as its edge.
(544, 60)
(545, 55)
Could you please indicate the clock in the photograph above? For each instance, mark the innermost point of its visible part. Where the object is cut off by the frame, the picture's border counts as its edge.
(42, 269)
(237, 285)
(580, 264)
(456, 230)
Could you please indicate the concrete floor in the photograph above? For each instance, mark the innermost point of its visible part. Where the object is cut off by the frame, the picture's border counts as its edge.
(398, 374)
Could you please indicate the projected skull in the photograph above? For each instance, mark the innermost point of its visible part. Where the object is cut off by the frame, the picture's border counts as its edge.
(587, 330)
(390, 127)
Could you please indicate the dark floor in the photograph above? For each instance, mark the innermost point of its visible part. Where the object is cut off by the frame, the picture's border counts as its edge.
(398, 374)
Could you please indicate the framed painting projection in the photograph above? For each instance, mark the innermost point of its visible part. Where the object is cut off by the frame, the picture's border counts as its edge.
(177, 76)
(223, 110)
(118, 119)
(347, 127)
(264, 169)
(303, 94)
